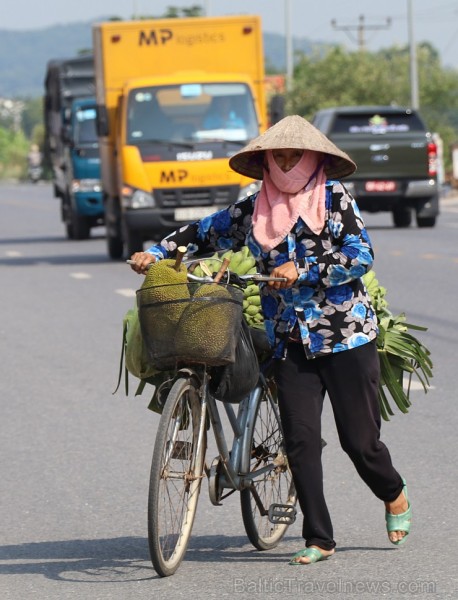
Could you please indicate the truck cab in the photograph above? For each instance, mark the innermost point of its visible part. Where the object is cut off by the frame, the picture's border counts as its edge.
(83, 200)
(170, 132)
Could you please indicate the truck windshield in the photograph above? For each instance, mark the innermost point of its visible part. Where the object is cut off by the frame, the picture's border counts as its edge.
(85, 127)
(377, 123)
(191, 113)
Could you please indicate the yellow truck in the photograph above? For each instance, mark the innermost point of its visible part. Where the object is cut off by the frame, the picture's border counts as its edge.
(176, 98)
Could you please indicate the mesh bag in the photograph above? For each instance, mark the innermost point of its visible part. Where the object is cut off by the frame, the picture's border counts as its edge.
(190, 322)
(232, 383)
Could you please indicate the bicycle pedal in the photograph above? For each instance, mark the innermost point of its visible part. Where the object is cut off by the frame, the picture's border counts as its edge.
(181, 450)
(282, 514)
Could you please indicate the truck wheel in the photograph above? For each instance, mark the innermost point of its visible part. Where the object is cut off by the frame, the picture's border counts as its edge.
(402, 216)
(115, 247)
(426, 221)
(134, 243)
(69, 230)
(78, 227)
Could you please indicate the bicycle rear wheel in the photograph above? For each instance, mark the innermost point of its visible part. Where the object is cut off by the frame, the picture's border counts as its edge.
(176, 476)
(274, 487)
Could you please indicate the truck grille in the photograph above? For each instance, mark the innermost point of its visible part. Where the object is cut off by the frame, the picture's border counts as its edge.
(170, 198)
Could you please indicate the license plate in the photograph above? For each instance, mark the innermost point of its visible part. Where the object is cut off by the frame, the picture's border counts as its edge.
(380, 186)
(193, 214)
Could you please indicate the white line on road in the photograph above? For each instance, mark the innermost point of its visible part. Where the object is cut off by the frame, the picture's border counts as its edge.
(415, 386)
(127, 292)
(13, 253)
(81, 275)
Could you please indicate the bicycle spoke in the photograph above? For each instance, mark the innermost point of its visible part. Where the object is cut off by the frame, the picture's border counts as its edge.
(270, 487)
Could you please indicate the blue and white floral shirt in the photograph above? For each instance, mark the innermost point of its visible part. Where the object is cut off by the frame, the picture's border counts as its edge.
(328, 304)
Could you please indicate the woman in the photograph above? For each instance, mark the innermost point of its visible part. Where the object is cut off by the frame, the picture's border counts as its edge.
(303, 225)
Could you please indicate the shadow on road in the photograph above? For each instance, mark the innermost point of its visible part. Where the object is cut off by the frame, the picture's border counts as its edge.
(127, 558)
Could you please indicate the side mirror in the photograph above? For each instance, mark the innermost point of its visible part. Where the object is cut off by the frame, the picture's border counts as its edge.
(276, 108)
(102, 121)
(66, 135)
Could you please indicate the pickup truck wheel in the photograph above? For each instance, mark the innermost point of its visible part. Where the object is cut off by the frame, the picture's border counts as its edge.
(426, 221)
(115, 247)
(402, 216)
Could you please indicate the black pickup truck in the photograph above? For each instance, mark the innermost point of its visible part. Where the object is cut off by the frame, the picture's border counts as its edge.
(396, 159)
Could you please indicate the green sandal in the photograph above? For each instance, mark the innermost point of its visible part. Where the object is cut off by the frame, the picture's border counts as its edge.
(400, 522)
(313, 554)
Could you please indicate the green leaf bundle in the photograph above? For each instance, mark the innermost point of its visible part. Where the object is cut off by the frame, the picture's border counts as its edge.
(402, 355)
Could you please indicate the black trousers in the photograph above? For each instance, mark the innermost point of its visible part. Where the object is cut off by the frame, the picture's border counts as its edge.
(351, 379)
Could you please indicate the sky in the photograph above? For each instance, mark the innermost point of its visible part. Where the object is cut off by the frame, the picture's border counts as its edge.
(435, 21)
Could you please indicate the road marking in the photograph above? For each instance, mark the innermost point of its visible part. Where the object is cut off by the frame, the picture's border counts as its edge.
(13, 253)
(430, 256)
(81, 275)
(127, 292)
(415, 386)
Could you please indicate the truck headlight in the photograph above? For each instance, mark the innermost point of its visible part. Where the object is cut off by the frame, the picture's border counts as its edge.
(86, 185)
(134, 198)
(249, 189)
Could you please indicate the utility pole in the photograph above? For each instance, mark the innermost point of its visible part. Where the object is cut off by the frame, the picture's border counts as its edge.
(361, 28)
(289, 46)
(414, 95)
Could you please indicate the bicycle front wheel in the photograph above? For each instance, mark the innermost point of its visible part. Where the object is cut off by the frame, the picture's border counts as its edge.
(273, 487)
(176, 476)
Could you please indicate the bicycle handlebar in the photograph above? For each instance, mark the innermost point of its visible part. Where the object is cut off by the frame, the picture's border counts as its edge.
(255, 277)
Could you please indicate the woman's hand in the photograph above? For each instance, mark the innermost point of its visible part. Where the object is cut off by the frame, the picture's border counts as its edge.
(142, 260)
(287, 270)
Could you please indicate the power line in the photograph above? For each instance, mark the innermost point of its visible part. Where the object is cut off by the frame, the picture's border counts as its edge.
(361, 29)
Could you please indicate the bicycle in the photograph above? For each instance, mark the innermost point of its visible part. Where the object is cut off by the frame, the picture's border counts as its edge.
(255, 465)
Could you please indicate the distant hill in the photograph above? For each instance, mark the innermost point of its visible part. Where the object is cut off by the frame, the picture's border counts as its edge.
(24, 54)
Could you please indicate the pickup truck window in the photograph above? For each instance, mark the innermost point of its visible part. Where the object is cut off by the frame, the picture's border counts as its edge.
(377, 124)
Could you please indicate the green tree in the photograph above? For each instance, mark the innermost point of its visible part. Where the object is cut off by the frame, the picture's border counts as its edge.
(13, 152)
(32, 115)
(174, 12)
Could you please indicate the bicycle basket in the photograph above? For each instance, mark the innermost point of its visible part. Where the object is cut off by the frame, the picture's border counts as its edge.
(190, 322)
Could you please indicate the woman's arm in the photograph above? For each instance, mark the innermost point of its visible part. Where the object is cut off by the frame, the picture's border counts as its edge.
(223, 230)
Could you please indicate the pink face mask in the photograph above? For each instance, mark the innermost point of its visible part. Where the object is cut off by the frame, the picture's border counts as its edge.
(284, 197)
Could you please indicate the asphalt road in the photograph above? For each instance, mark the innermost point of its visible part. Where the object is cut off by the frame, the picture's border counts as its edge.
(75, 458)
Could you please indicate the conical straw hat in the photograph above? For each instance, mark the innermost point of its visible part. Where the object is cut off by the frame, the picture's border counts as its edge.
(291, 132)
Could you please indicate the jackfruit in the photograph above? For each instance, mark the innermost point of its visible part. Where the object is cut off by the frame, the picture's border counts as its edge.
(163, 272)
(241, 262)
(160, 305)
(206, 332)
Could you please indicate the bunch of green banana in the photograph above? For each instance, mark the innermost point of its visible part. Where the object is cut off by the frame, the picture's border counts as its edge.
(252, 310)
(241, 263)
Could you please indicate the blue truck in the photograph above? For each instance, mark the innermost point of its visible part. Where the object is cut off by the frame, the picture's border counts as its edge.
(71, 144)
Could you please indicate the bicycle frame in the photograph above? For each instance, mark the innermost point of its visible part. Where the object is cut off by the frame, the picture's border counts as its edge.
(235, 462)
